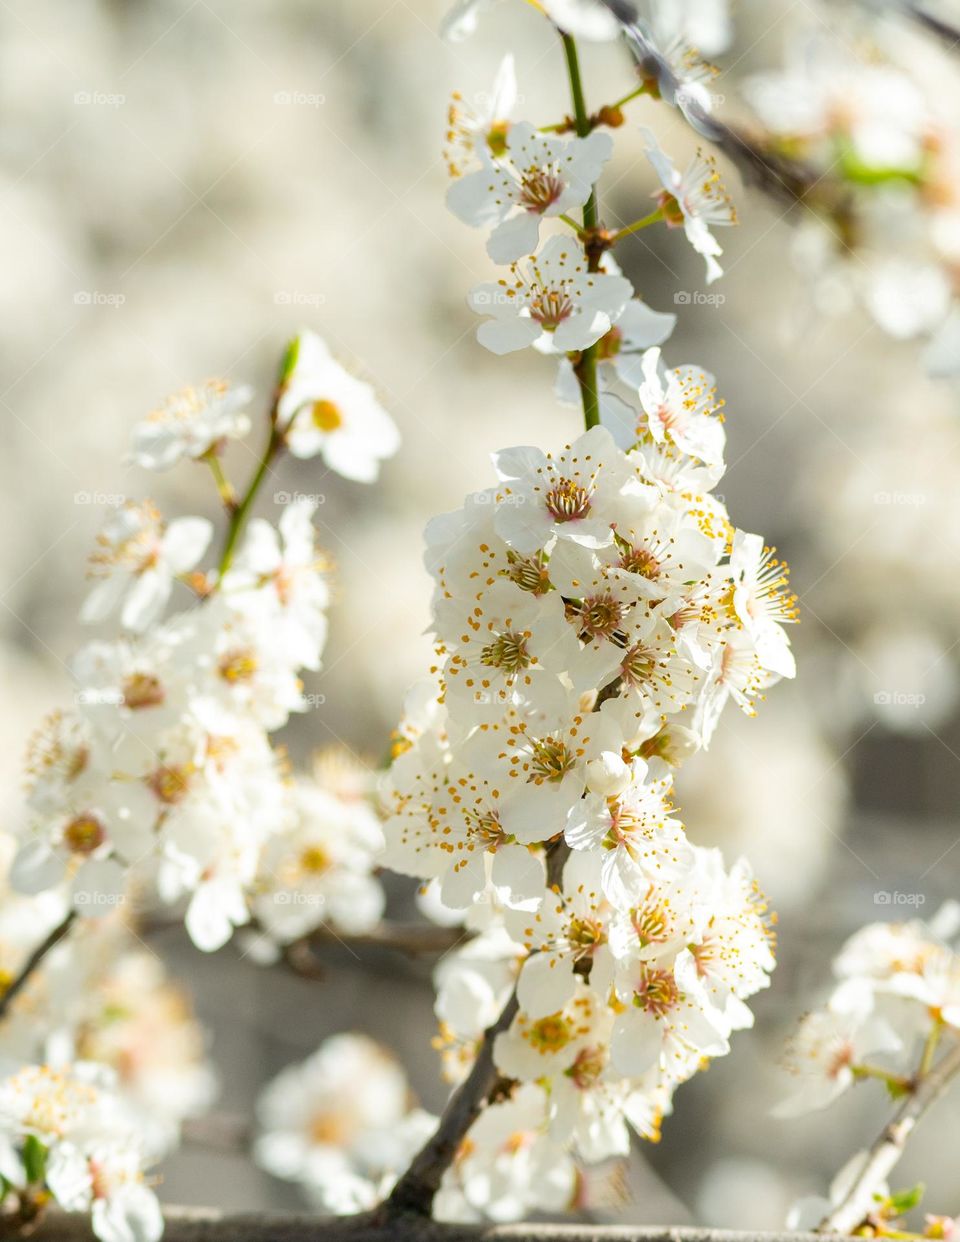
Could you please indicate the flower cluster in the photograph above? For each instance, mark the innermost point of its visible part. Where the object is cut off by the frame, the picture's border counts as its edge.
(898, 985)
(65, 1133)
(163, 778)
(594, 612)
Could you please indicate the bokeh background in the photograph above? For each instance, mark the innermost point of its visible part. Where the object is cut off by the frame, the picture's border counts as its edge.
(184, 183)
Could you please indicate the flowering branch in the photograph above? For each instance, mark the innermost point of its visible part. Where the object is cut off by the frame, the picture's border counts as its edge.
(888, 1147)
(274, 445)
(413, 939)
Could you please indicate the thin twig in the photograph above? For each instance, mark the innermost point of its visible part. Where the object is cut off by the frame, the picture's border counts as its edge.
(888, 1148)
(34, 961)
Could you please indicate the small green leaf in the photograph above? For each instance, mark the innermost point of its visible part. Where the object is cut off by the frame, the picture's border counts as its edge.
(34, 1159)
(902, 1201)
(291, 354)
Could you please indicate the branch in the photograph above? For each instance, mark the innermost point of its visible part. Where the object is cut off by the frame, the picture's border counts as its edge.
(888, 1148)
(206, 1225)
(415, 1191)
(411, 938)
(34, 961)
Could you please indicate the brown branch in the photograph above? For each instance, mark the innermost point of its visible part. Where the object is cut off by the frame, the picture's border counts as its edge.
(410, 938)
(206, 1225)
(414, 1192)
(33, 962)
(889, 1145)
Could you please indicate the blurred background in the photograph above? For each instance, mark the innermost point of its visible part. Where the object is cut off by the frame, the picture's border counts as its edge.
(183, 184)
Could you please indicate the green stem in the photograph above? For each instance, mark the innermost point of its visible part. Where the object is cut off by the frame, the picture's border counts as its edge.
(618, 103)
(586, 368)
(577, 228)
(898, 1081)
(274, 445)
(224, 487)
(637, 225)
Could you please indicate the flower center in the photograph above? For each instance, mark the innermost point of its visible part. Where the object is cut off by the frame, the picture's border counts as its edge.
(143, 690)
(600, 616)
(585, 935)
(171, 784)
(314, 860)
(485, 828)
(640, 561)
(568, 500)
(550, 1034)
(528, 572)
(238, 665)
(539, 188)
(587, 1068)
(326, 415)
(84, 834)
(550, 307)
(508, 652)
(638, 665)
(551, 760)
(656, 992)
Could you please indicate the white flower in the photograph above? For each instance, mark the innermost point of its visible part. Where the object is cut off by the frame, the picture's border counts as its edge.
(551, 299)
(572, 495)
(681, 405)
(190, 424)
(479, 130)
(280, 579)
(508, 1165)
(825, 1051)
(340, 1119)
(138, 558)
(761, 601)
(695, 200)
(537, 177)
(637, 836)
(326, 411)
(667, 1021)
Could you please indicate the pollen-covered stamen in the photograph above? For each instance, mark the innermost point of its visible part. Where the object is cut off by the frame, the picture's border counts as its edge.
(639, 560)
(136, 549)
(539, 189)
(142, 690)
(237, 665)
(551, 760)
(770, 595)
(587, 1067)
(600, 616)
(84, 834)
(584, 935)
(56, 748)
(638, 666)
(550, 1034)
(568, 500)
(656, 991)
(508, 652)
(485, 828)
(651, 921)
(528, 572)
(550, 306)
